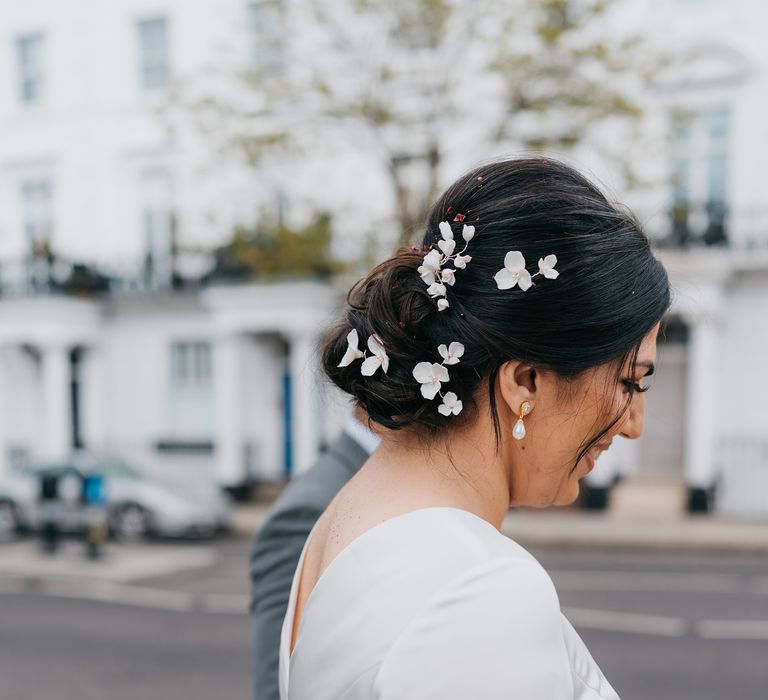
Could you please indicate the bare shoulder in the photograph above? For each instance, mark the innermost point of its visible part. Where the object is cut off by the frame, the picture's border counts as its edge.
(354, 509)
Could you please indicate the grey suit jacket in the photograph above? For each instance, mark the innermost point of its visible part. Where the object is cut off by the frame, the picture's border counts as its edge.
(277, 548)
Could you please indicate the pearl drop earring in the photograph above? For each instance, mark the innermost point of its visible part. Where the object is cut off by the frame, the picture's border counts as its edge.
(518, 432)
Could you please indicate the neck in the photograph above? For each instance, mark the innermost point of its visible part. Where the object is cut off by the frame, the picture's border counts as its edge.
(460, 470)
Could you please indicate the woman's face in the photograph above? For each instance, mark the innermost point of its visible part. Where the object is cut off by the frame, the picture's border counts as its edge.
(564, 417)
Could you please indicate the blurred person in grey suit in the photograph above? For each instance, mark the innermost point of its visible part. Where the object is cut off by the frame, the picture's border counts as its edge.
(277, 546)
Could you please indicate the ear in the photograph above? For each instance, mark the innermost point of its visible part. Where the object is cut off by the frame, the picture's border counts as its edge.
(518, 382)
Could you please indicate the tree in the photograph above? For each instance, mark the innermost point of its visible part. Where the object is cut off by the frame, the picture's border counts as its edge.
(412, 83)
(276, 252)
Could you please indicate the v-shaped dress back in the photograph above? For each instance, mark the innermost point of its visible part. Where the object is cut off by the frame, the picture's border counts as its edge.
(434, 604)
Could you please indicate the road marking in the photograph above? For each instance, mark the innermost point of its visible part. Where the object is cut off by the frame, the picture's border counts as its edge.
(181, 601)
(760, 585)
(227, 603)
(648, 581)
(733, 629)
(122, 594)
(608, 620)
(11, 586)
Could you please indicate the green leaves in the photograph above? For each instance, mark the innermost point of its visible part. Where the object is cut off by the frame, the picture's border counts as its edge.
(277, 252)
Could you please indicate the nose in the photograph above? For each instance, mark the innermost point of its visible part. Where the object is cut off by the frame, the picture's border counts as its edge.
(632, 428)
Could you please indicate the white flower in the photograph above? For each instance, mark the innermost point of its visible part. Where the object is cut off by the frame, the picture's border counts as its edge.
(378, 359)
(513, 272)
(547, 267)
(445, 230)
(448, 277)
(431, 266)
(429, 375)
(447, 246)
(431, 271)
(353, 352)
(460, 261)
(451, 353)
(436, 290)
(451, 404)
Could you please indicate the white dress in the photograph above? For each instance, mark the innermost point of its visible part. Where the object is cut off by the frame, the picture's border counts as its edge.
(435, 604)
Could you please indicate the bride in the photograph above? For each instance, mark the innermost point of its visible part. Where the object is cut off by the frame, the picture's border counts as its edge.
(497, 362)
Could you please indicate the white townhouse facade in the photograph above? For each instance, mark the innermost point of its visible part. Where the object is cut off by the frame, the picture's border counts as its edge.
(223, 378)
(706, 420)
(218, 378)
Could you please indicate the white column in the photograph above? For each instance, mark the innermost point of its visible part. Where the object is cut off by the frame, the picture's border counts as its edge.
(228, 443)
(57, 405)
(4, 465)
(701, 394)
(304, 419)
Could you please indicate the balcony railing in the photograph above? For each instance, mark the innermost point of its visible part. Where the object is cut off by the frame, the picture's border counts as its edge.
(45, 276)
(713, 224)
(42, 276)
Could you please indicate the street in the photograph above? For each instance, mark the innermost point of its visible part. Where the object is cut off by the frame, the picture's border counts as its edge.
(85, 650)
(671, 626)
(663, 626)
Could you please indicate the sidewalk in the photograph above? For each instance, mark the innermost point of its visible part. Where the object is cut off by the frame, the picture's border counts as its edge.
(120, 563)
(160, 575)
(589, 529)
(626, 529)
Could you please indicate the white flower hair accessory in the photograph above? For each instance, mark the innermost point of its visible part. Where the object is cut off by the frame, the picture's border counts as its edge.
(378, 358)
(547, 267)
(431, 270)
(514, 273)
(432, 375)
(450, 405)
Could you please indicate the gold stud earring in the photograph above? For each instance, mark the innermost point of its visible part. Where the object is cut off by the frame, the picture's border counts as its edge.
(518, 432)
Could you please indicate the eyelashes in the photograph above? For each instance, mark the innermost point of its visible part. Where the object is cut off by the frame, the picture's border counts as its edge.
(634, 386)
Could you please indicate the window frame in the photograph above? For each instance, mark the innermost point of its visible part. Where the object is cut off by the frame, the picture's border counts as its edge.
(154, 60)
(30, 65)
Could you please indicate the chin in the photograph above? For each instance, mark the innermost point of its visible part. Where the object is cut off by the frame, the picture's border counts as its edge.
(554, 501)
(567, 497)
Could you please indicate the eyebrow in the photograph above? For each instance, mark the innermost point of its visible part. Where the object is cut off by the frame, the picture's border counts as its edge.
(650, 365)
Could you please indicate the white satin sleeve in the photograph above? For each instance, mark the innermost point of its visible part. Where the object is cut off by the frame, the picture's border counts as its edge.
(494, 633)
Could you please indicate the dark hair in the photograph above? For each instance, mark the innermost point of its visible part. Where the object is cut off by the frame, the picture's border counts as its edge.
(610, 293)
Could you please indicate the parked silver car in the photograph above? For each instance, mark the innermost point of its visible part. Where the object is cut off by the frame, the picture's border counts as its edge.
(138, 503)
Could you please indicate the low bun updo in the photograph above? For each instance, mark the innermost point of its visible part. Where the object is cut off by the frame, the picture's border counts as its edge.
(611, 291)
(392, 302)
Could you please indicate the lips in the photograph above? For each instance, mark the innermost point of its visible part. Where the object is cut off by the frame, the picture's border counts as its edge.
(595, 452)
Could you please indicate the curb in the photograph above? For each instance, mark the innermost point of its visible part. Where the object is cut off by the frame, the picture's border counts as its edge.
(642, 534)
(601, 530)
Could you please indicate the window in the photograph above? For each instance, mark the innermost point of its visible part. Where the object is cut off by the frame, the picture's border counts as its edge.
(700, 176)
(29, 49)
(680, 178)
(37, 206)
(157, 234)
(153, 53)
(717, 126)
(700, 157)
(266, 26)
(681, 155)
(157, 224)
(191, 364)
